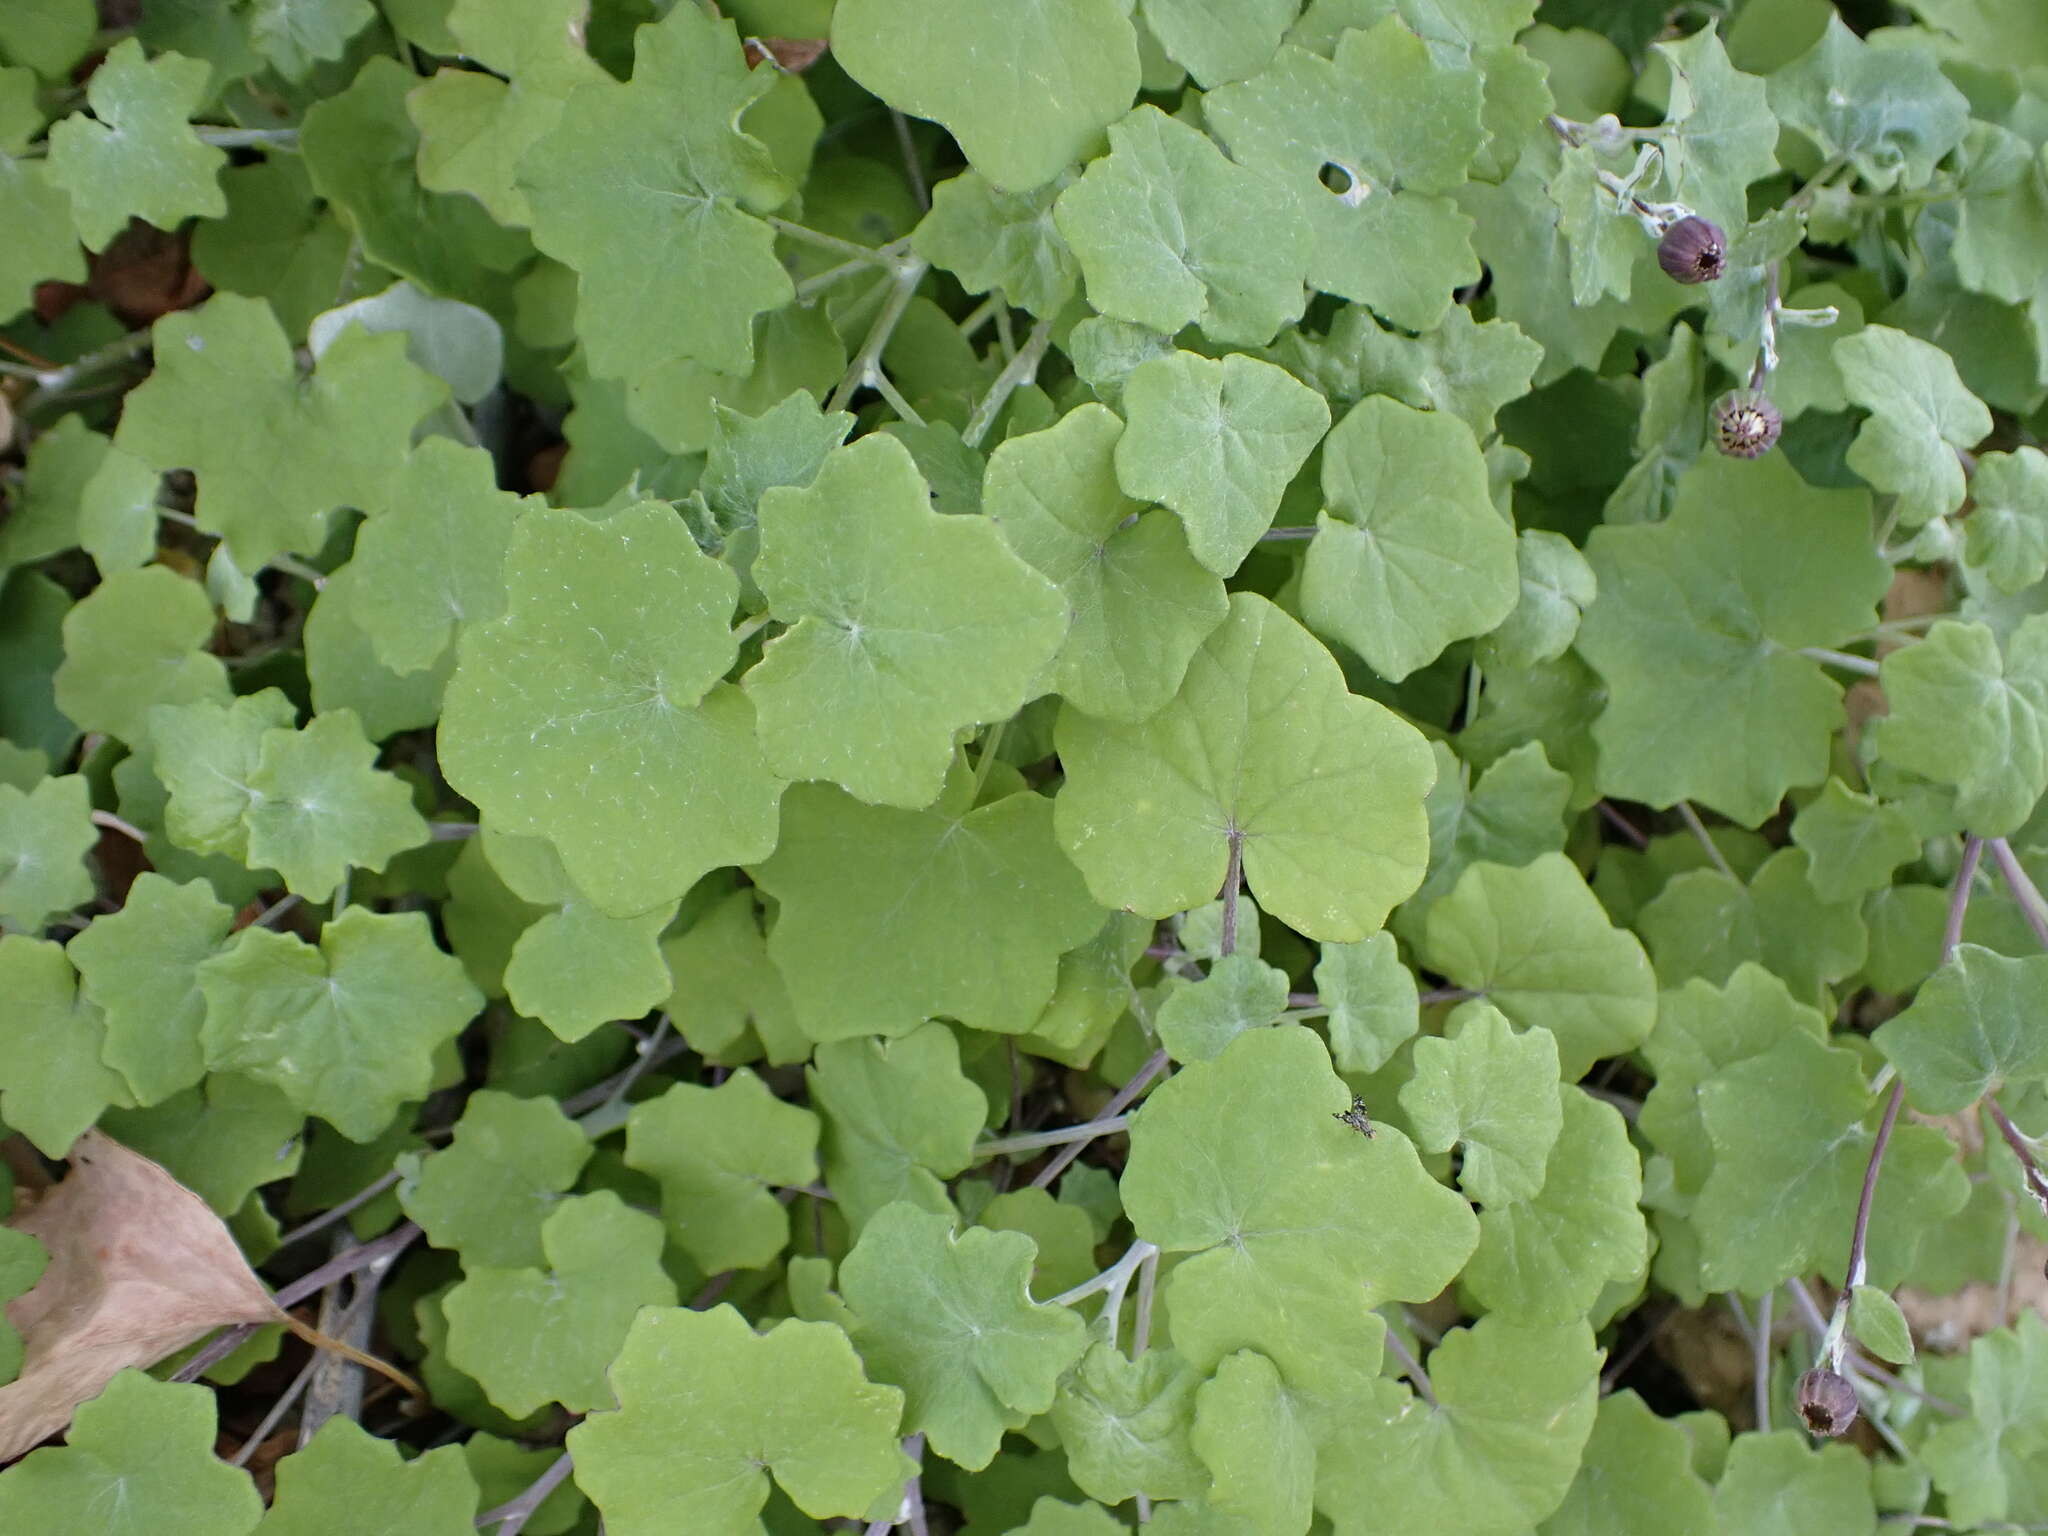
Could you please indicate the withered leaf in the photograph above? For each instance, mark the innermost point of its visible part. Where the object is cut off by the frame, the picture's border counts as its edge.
(139, 1267)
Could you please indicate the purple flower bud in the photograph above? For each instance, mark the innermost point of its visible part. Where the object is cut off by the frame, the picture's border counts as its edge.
(1746, 424)
(1693, 251)
(1826, 1402)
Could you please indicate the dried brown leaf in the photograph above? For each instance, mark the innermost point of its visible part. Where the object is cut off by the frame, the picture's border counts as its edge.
(139, 1268)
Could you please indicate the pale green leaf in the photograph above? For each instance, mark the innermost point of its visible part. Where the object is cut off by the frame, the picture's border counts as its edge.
(906, 626)
(1024, 89)
(708, 1409)
(1217, 442)
(1138, 603)
(1263, 744)
(1409, 553)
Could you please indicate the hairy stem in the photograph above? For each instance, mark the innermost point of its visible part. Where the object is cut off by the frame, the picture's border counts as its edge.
(1019, 371)
(1952, 933)
(2032, 907)
(1103, 1124)
(1037, 1141)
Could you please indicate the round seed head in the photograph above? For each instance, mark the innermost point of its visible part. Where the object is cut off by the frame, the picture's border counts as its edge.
(1693, 251)
(1746, 424)
(1826, 1402)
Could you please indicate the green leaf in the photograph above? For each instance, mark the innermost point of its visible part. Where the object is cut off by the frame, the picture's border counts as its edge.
(139, 1459)
(992, 239)
(718, 1154)
(45, 836)
(1556, 586)
(1702, 1028)
(1536, 944)
(1637, 1479)
(41, 245)
(1409, 553)
(1705, 923)
(1217, 442)
(1888, 111)
(274, 452)
(1720, 134)
(1972, 1029)
(317, 806)
(534, 1336)
(1366, 144)
(1986, 1465)
(206, 756)
(950, 1319)
(1260, 1452)
(2006, 532)
(53, 1085)
(1778, 1485)
(1513, 813)
(891, 917)
(1496, 1453)
(457, 343)
(133, 642)
(45, 518)
(1125, 1424)
(117, 511)
(137, 966)
(1604, 237)
(474, 128)
(1464, 367)
(1879, 1325)
(1138, 603)
(434, 559)
(223, 1142)
(486, 1193)
(1920, 416)
(345, 673)
(659, 166)
(49, 36)
(1853, 842)
(277, 242)
(22, 1262)
(346, 1480)
(1025, 90)
(899, 1118)
(750, 455)
(574, 968)
(1296, 1226)
(136, 156)
(1049, 1517)
(1240, 993)
(1170, 233)
(1791, 1140)
(592, 709)
(906, 627)
(347, 1030)
(362, 152)
(1962, 716)
(1371, 999)
(792, 1401)
(1547, 1257)
(294, 35)
(1263, 744)
(1495, 1090)
(1524, 247)
(1696, 630)
(725, 984)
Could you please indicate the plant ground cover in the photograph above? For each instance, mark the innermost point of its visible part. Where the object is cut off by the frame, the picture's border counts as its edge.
(1246, 767)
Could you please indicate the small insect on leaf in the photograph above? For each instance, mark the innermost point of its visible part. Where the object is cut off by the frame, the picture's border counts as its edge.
(1357, 1119)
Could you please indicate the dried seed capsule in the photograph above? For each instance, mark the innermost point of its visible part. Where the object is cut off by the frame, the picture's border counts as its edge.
(1693, 251)
(1826, 1402)
(1746, 424)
